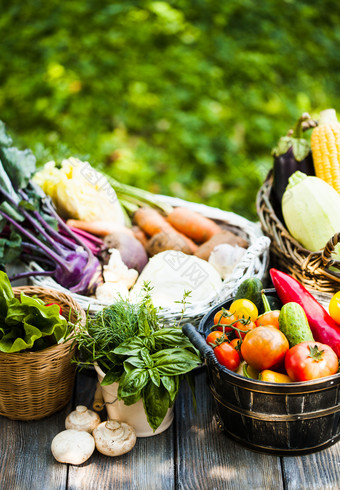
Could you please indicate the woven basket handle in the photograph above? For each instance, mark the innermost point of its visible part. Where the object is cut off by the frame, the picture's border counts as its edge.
(329, 249)
(247, 266)
(199, 342)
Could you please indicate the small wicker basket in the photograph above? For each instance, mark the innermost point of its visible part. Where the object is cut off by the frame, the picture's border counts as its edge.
(310, 268)
(34, 385)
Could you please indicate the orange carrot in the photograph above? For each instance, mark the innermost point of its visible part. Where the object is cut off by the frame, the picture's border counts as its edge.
(140, 235)
(99, 228)
(193, 224)
(152, 223)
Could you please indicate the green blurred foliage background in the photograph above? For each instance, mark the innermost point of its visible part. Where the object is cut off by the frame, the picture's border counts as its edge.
(180, 97)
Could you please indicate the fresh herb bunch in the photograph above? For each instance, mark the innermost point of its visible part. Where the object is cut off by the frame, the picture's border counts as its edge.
(147, 360)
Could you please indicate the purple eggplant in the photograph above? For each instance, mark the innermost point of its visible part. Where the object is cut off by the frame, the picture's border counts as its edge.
(292, 153)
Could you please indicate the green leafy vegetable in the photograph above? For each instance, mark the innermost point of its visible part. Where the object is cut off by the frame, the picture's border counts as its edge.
(26, 323)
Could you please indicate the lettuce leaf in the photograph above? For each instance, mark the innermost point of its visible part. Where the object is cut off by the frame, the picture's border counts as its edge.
(26, 323)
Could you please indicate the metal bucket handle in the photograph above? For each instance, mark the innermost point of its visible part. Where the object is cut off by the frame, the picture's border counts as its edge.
(199, 342)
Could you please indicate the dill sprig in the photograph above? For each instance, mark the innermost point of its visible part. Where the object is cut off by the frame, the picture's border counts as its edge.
(116, 324)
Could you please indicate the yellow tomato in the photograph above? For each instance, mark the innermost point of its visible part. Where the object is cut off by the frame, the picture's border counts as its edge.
(243, 308)
(334, 307)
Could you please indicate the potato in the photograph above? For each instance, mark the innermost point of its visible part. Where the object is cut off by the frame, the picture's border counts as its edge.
(167, 241)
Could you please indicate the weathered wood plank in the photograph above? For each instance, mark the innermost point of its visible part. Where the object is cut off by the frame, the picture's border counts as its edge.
(207, 458)
(150, 465)
(26, 460)
(318, 471)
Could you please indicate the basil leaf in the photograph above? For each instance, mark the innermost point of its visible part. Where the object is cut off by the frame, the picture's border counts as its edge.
(146, 358)
(171, 386)
(133, 362)
(129, 347)
(149, 343)
(171, 362)
(156, 403)
(155, 377)
(130, 400)
(112, 376)
(132, 382)
(171, 337)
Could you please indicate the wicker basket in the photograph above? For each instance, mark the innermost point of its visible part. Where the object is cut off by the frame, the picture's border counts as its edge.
(310, 268)
(254, 263)
(34, 385)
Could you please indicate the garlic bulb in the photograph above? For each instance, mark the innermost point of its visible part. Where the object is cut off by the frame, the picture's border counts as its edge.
(82, 419)
(224, 257)
(114, 438)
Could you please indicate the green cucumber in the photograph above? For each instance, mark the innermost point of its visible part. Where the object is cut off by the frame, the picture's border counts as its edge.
(294, 324)
(250, 289)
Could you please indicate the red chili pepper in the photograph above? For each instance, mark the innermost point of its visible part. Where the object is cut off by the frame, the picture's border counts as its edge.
(60, 310)
(323, 327)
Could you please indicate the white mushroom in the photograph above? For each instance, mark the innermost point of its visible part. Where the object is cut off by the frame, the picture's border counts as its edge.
(82, 419)
(72, 446)
(114, 438)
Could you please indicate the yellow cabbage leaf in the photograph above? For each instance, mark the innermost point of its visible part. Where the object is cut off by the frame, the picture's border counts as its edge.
(80, 192)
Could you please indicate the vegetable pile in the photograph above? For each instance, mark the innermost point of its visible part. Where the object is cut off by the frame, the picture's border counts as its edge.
(95, 236)
(295, 340)
(306, 181)
(135, 350)
(138, 226)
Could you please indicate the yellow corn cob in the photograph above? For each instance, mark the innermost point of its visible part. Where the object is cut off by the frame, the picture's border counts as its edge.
(325, 143)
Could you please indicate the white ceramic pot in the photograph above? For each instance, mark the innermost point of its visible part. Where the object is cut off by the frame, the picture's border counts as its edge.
(131, 414)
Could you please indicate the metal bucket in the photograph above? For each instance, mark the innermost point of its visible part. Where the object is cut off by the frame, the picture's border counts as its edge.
(280, 418)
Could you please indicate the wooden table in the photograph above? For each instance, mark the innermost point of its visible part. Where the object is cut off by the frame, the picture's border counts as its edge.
(192, 454)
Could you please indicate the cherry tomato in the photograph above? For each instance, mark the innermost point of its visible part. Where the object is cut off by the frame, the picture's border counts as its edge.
(243, 308)
(227, 356)
(334, 307)
(214, 336)
(223, 318)
(269, 318)
(244, 327)
(311, 360)
(236, 343)
(264, 347)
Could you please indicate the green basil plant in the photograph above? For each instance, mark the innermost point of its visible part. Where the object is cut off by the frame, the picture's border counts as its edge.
(129, 343)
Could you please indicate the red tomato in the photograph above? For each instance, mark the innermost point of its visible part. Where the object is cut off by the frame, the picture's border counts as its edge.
(264, 347)
(214, 336)
(269, 318)
(223, 318)
(236, 343)
(311, 360)
(227, 356)
(244, 327)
